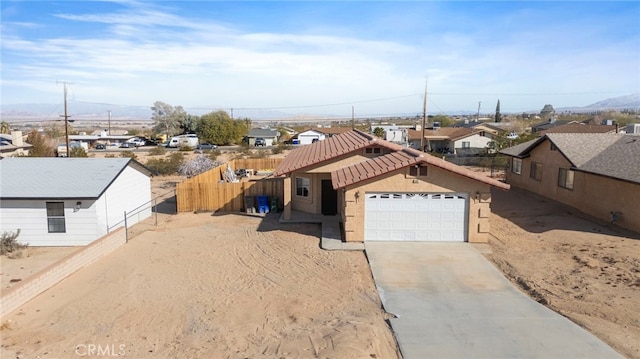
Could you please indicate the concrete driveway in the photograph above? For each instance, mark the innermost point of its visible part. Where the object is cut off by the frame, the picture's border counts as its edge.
(450, 302)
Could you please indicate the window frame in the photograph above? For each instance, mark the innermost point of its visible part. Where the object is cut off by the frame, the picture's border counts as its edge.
(515, 160)
(535, 171)
(56, 222)
(466, 144)
(417, 171)
(564, 174)
(302, 184)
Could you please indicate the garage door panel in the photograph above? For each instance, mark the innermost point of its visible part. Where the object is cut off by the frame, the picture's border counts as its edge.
(415, 216)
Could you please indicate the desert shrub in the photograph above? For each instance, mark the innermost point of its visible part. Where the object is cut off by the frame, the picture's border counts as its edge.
(185, 148)
(213, 155)
(157, 151)
(9, 244)
(259, 154)
(128, 154)
(77, 152)
(280, 148)
(198, 165)
(166, 166)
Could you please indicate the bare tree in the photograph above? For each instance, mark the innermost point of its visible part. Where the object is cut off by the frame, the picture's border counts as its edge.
(166, 118)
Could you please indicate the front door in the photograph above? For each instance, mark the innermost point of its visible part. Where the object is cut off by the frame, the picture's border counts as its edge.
(329, 199)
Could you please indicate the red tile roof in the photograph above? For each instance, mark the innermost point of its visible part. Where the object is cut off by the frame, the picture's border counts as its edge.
(355, 140)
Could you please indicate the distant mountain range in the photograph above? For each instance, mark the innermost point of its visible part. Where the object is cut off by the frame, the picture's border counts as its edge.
(99, 112)
(615, 103)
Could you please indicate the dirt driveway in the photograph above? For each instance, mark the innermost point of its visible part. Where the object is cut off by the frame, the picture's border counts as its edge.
(211, 286)
(586, 270)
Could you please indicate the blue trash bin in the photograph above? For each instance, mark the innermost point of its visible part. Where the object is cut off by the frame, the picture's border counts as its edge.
(263, 204)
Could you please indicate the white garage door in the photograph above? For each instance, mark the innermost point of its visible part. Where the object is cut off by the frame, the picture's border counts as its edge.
(415, 217)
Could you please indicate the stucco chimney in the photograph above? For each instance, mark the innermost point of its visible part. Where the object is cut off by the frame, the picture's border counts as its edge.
(16, 138)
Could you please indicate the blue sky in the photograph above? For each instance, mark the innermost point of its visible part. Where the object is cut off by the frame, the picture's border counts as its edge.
(322, 57)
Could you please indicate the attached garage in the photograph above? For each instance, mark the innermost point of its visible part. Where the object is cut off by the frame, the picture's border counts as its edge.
(437, 217)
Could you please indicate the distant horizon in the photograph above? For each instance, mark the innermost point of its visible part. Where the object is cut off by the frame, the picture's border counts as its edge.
(286, 117)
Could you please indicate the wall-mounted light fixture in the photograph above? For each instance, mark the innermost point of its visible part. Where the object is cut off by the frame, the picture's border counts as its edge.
(356, 195)
(77, 208)
(477, 195)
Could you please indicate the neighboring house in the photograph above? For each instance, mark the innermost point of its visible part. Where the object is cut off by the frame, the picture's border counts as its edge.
(270, 136)
(461, 141)
(13, 145)
(598, 174)
(71, 201)
(550, 123)
(386, 192)
(319, 134)
(307, 137)
(581, 128)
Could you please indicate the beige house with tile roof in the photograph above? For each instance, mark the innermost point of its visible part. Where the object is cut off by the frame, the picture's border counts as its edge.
(386, 192)
(597, 173)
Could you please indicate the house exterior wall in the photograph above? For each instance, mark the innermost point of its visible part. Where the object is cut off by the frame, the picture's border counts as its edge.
(592, 194)
(437, 180)
(477, 144)
(30, 216)
(130, 192)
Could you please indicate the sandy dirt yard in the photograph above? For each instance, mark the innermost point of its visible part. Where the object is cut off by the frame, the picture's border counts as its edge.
(211, 286)
(586, 270)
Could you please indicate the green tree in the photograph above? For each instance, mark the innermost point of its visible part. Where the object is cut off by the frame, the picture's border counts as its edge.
(217, 127)
(189, 124)
(445, 121)
(498, 114)
(166, 118)
(40, 145)
(378, 132)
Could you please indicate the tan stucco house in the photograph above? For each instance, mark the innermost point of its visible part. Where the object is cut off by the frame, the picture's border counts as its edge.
(386, 192)
(597, 173)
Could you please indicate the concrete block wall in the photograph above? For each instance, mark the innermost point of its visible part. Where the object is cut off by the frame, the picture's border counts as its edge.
(28, 289)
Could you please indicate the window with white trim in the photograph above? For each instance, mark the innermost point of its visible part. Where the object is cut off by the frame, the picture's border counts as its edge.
(466, 144)
(565, 178)
(55, 217)
(516, 165)
(303, 186)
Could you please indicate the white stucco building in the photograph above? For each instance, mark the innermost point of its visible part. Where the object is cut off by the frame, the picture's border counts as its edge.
(71, 201)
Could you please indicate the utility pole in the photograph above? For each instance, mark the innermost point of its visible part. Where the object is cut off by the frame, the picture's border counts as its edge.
(66, 120)
(232, 113)
(353, 120)
(109, 130)
(478, 116)
(424, 116)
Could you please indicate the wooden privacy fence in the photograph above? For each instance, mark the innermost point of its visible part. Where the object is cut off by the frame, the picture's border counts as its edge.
(208, 191)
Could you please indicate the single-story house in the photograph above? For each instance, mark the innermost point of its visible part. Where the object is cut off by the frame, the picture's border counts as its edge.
(581, 128)
(13, 145)
(387, 192)
(270, 136)
(597, 173)
(461, 141)
(71, 201)
(312, 135)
